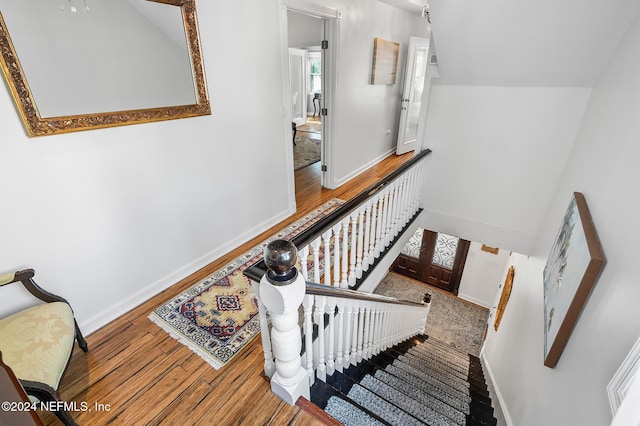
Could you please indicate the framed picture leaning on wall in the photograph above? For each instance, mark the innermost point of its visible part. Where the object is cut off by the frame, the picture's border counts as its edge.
(573, 267)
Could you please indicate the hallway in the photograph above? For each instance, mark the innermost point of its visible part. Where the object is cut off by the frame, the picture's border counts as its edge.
(147, 377)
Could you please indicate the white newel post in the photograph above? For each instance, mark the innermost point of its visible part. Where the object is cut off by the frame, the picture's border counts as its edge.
(282, 291)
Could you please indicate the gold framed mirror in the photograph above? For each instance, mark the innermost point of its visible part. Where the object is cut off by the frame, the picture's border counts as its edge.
(85, 72)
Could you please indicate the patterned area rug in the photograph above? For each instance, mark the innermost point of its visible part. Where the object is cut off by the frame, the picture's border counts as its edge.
(457, 322)
(218, 316)
(306, 151)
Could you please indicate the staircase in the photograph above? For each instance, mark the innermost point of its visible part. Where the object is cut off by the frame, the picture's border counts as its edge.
(416, 382)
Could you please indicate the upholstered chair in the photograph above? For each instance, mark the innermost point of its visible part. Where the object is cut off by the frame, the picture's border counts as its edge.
(37, 342)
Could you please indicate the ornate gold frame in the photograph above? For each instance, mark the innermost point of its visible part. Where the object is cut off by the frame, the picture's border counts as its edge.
(35, 125)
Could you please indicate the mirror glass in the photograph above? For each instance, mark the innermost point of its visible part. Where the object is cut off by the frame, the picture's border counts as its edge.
(81, 64)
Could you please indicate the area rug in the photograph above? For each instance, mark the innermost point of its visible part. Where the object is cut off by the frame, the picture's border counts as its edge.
(306, 151)
(452, 320)
(218, 316)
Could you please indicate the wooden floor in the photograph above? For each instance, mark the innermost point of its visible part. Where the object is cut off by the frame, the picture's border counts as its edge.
(136, 374)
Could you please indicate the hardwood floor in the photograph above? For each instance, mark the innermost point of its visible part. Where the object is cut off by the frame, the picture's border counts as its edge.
(136, 374)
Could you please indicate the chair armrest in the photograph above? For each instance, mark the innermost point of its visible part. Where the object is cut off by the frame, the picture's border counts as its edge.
(26, 278)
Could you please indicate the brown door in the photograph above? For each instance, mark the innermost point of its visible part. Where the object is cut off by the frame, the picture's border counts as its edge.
(439, 261)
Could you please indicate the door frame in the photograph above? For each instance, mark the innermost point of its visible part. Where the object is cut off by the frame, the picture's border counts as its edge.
(331, 19)
(410, 68)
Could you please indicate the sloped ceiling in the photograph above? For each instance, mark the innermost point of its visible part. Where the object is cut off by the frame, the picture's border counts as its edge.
(527, 42)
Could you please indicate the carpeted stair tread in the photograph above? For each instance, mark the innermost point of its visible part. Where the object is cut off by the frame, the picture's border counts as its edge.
(419, 381)
(442, 386)
(348, 414)
(322, 393)
(456, 400)
(410, 405)
(439, 364)
(451, 407)
(446, 350)
(470, 382)
(467, 394)
(442, 375)
(380, 407)
(387, 390)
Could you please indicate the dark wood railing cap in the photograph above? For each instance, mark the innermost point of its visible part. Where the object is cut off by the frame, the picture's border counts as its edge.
(258, 269)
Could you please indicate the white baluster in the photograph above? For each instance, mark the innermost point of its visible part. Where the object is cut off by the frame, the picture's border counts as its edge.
(327, 256)
(379, 224)
(375, 324)
(331, 339)
(318, 316)
(395, 223)
(390, 217)
(360, 243)
(354, 249)
(405, 201)
(336, 254)
(348, 324)
(316, 260)
(366, 332)
(307, 306)
(361, 316)
(368, 248)
(340, 334)
(344, 283)
(304, 255)
(355, 320)
(386, 238)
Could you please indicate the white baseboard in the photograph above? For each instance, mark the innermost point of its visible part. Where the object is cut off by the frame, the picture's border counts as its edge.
(370, 164)
(144, 294)
(495, 394)
(474, 300)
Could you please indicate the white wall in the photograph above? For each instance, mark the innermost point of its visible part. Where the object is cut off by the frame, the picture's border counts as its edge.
(110, 217)
(482, 275)
(603, 166)
(498, 153)
(304, 30)
(365, 111)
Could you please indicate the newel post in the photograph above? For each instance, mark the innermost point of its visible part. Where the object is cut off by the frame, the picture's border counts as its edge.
(282, 291)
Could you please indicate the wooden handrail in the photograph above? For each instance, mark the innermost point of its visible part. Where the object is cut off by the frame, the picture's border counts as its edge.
(258, 269)
(325, 290)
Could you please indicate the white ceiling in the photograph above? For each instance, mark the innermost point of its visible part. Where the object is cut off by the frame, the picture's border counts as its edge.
(525, 42)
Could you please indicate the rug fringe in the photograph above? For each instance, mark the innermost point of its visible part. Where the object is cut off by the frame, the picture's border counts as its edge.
(176, 335)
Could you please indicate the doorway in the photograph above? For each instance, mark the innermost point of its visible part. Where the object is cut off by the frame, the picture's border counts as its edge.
(434, 258)
(313, 28)
(305, 70)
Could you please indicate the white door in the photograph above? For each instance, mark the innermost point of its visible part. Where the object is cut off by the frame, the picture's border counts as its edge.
(415, 83)
(298, 73)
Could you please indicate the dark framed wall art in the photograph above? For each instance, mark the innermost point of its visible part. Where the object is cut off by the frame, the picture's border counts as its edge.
(573, 267)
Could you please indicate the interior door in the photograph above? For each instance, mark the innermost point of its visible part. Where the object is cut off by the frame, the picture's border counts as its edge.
(414, 86)
(439, 261)
(298, 73)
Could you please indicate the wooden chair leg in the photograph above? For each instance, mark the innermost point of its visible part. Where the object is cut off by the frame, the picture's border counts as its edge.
(46, 393)
(80, 338)
(295, 130)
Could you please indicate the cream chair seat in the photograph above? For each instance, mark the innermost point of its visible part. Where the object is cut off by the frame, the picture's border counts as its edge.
(37, 342)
